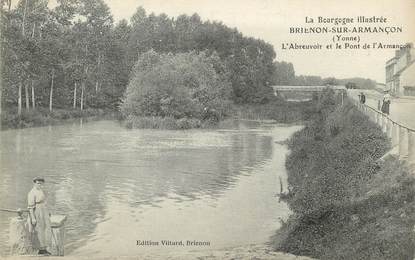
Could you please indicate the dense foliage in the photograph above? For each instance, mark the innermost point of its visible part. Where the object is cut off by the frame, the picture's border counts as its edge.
(249, 61)
(346, 204)
(50, 59)
(184, 85)
(73, 56)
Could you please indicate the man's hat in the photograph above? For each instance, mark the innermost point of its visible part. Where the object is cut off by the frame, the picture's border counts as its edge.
(38, 179)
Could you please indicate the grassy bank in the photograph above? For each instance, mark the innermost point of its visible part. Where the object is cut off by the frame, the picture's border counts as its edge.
(169, 123)
(345, 204)
(42, 116)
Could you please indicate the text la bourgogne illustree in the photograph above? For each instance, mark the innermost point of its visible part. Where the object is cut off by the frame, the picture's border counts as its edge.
(345, 33)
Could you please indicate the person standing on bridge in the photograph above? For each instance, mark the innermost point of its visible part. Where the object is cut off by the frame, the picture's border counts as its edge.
(362, 98)
(39, 222)
(386, 103)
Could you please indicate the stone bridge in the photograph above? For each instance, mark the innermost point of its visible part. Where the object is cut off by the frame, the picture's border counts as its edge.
(299, 93)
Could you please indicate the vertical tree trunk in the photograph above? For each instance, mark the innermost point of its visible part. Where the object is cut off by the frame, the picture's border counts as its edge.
(82, 95)
(74, 96)
(33, 30)
(83, 87)
(26, 93)
(24, 18)
(19, 99)
(85, 79)
(98, 70)
(33, 96)
(1, 72)
(51, 91)
(1, 85)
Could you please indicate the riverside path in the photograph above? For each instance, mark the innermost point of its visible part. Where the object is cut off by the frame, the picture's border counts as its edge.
(402, 109)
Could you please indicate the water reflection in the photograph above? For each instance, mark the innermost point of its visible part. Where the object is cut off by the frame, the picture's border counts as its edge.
(99, 173)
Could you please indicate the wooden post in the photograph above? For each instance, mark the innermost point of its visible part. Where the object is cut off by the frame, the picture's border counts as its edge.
(57, 223)
(380, 120)
(403, 143)
(19, 237)
(380, 115)
(395, 134)
(389, 127)
(377, 118)
(411, 147)
(373, 117)
(385, 124)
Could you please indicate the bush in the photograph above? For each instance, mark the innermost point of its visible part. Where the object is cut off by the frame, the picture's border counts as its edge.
(178, 86)
(161, 123)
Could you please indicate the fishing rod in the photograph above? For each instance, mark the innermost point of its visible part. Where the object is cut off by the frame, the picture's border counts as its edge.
(19, 211)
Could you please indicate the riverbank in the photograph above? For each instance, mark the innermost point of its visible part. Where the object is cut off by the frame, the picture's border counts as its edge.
(43, 117)
(246, 252)
(346, 204)
(279, 111)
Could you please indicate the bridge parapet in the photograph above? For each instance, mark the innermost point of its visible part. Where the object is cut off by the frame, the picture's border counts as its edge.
(301, 91)
(402, 137)
(308, 88)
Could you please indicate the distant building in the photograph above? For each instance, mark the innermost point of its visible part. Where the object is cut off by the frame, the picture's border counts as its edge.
(400, 72)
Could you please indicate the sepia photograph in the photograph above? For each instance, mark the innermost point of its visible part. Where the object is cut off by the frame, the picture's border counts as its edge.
(207, 129)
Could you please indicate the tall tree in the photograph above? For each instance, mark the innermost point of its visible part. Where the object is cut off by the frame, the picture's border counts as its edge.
(98, 24)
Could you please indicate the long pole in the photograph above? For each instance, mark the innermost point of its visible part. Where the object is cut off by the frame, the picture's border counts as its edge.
(18, 211)
(14, 210)
(1, 64)
(51, 91)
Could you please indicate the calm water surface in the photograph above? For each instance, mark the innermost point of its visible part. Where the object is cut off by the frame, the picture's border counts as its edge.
(117, 186)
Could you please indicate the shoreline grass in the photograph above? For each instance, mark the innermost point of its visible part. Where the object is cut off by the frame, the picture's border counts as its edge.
(276, 111)
(346, 205)
(43, 117)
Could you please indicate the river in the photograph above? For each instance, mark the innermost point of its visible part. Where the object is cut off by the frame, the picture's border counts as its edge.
(118, 186)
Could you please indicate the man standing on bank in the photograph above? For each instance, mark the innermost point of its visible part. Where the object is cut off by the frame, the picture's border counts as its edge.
(39, 225)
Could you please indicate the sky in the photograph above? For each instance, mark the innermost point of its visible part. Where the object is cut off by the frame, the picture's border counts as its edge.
(270, 20)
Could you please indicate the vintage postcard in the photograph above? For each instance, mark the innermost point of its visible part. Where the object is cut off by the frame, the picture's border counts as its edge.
(207, 129)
